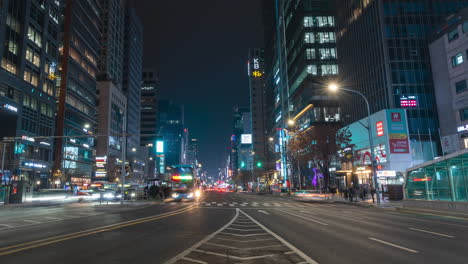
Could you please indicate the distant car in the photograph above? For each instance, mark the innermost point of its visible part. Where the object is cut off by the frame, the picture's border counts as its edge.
(186, 195)
(111, 195)
(310, 195)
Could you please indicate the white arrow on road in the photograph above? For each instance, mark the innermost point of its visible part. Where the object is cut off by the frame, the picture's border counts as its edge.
(263, 212)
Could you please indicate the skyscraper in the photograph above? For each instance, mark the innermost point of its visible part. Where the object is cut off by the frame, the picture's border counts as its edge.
(383, 53)
(77, 93)
(172, 131)
(149, 118)
(29, 31)
(132, 79)
(304, 60)
(256, 66)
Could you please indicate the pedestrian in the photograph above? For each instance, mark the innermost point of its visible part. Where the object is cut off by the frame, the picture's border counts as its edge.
(351, 194)
(372, 193)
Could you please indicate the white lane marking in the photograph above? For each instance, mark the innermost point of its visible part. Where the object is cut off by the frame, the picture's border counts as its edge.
(8, 226)
(194, 260)
(213, 203)
(286, 243)
(53, 218)
(220, 204)
(231, 204)
(263, 212)
(252, 248)
(244, 241)
(266, 204)
(224, 203)
(243, 225)
(245, 235)
(289, 253)
(429, 232)
(422, 220)
(394, 245)
(277, 204)
(245, 230)
(307, 212)
(243, 204)
(31, 221)
(300, 216)
(231, 256)
(186, 252)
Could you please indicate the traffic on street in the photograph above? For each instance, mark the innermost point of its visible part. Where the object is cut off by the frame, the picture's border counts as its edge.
(229, 227)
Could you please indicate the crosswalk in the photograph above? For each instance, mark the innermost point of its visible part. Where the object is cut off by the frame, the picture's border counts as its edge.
(252, 204)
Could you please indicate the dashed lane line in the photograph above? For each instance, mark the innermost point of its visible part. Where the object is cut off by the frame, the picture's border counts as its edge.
(194, 260)
(430, 232)
(244, 230)
(231, 256)
(305, 218)
(244, 241)
(394, 245)
(243, 235)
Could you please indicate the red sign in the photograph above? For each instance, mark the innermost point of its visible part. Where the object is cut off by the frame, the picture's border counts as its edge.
(399, 145)
(380, 130)
(396, 117)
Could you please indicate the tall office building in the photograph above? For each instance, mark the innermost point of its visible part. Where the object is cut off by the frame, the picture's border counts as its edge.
(241, 153)
(112, 40)
(256, 70)
(29, 56)
(132, 79)
(192, 152)
(302, 59)
(383, 53)
(149, 119)
(172, 131)
(77, 94)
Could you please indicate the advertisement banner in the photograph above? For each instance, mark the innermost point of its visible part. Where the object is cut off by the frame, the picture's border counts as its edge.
(398, 132)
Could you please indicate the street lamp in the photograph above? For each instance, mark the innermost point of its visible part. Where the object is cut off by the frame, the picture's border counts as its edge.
(335, 88)
(291, 122)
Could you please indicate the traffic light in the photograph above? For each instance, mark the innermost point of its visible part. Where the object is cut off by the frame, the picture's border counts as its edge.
(259, 164)
(243, 164)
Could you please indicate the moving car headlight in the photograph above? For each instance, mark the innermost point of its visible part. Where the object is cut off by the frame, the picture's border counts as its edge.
(190, 195)
(197, 193)
(108, 195)
(95, 195)
(133, 194)
(175, 195)
(119, 196)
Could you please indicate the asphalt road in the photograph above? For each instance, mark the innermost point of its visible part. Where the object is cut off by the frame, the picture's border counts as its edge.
(229, 228)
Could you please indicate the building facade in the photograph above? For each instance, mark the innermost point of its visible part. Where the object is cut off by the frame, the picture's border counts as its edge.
(74, 154)
(30, 33)
(450, 73)
(172, 132)
(383, 53)
(132, 80)
(256, 70)
(149, 117)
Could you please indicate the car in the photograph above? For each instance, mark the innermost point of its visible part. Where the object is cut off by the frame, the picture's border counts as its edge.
(185, 195)
(310, 195)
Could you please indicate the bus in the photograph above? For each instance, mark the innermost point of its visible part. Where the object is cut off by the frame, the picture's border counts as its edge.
(185, 186)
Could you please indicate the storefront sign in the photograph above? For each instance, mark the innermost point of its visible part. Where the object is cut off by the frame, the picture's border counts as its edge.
(380, 129)
(30, 139)
(398, 133)
(11, 108)
(386, 173)
(462, 128)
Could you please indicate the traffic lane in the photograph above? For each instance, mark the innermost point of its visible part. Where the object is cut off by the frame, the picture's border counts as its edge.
(343, 241)
(436, 245)
(439, 224)
(56, 228)
(155, 242)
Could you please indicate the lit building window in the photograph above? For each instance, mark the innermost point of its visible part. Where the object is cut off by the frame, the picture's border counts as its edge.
(326, 37)
(327, 53)
(310, 54)
(312, 69)
(34, 36)
(309, 37)
(9, 66)
(457, 60)
(32, 56)
(329, 69)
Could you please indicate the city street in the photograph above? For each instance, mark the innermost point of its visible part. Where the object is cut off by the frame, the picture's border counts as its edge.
(228, 228)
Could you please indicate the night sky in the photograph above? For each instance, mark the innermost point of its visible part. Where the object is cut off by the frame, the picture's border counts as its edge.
(200, 49)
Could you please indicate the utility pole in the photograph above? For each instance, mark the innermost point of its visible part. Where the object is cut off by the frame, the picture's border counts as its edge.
(3, 173)
(124, 154)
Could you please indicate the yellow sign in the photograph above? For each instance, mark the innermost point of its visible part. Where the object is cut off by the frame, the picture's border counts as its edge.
(52, 77)
(398, 136)
(257, 74)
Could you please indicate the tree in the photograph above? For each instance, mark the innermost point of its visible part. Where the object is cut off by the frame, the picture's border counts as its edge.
(320, 145)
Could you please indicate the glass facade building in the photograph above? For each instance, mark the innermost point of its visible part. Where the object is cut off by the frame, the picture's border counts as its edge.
(440, 180)
(383, 53)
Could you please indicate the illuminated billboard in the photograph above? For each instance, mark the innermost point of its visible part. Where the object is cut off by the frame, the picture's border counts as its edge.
(159, 146)
(246, 139)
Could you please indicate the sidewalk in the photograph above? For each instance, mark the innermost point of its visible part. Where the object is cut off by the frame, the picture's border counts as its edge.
(384, 203)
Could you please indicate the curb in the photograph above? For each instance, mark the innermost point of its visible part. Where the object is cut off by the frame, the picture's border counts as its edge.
(433, 212)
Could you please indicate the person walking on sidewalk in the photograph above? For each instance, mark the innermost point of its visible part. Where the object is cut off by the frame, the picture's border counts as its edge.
(372, 193)
(351, 194)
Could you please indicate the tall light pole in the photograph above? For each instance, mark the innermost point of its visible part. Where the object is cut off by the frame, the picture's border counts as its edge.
(335, 88)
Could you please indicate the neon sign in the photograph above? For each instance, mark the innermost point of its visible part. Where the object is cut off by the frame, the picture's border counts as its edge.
(408, 101)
